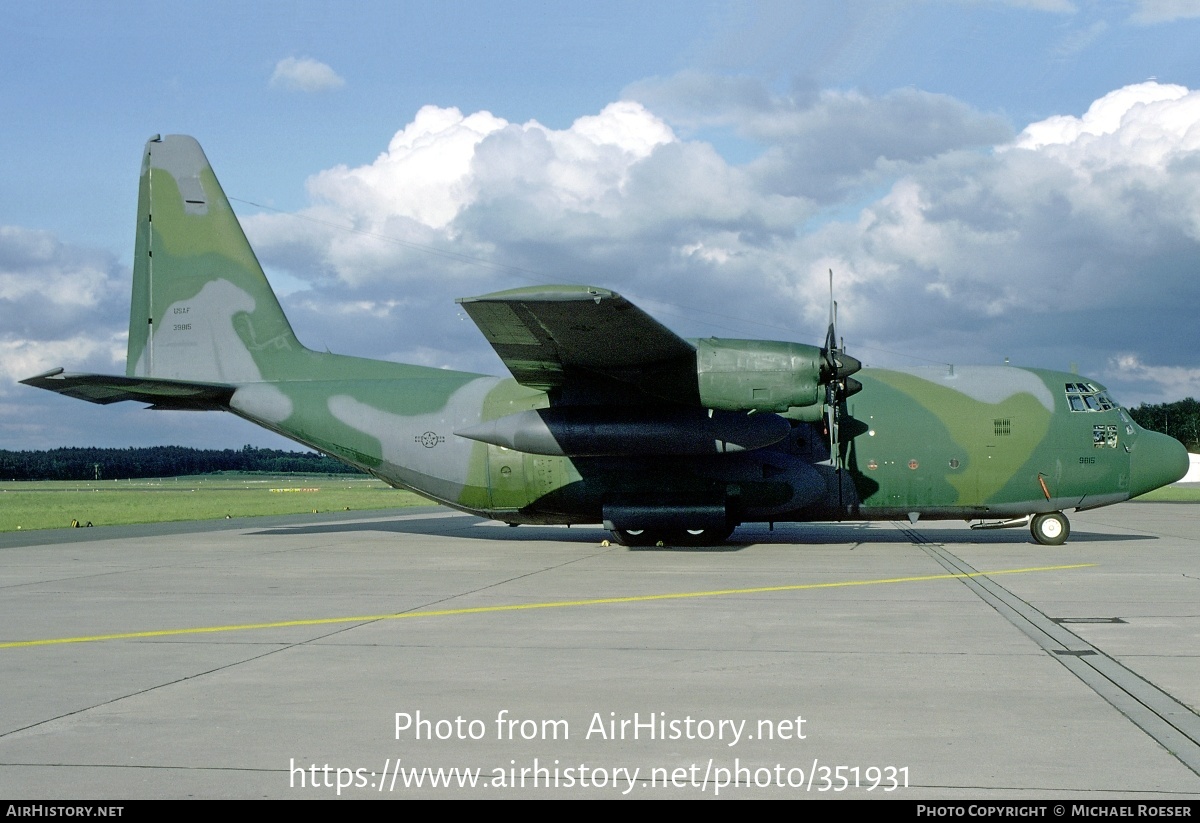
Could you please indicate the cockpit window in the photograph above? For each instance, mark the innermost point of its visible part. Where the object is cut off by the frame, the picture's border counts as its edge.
(1086, 397)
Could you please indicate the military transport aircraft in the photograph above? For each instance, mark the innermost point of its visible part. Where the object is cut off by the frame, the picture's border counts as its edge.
(609, 416)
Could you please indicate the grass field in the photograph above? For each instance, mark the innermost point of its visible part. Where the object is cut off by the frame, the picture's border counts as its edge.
(1173, 494)
(55, 504)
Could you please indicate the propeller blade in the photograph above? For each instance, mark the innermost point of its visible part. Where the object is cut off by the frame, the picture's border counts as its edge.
(831, 334)
(828, 352)
(836, 371)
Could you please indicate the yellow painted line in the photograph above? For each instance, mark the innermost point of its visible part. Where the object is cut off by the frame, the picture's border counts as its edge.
(519, 607)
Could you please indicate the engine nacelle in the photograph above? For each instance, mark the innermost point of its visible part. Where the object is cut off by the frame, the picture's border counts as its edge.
(759, 375)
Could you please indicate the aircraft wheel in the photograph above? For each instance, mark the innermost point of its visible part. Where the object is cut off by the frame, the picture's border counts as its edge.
(1050, 529)
(704, 537)
(636, 537)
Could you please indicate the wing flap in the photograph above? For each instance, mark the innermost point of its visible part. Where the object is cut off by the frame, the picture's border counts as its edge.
(158, 392)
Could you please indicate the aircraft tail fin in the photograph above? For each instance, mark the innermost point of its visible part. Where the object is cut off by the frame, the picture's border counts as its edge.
(202, 310)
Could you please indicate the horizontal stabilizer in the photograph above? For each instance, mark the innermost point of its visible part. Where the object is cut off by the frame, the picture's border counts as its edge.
(160, 393)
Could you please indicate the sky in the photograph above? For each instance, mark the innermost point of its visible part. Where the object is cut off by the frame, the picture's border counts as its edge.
(988, 181)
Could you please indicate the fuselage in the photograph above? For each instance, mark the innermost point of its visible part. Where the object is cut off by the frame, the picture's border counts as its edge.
(983, 441)
(949, 442)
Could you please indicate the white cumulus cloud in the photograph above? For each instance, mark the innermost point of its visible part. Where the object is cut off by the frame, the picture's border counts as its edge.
(1139, 124)
(423, 175)
(305, 74)
(1078, 239)
(104, 348)
(436, 166)
(951, 240)
(48, 288)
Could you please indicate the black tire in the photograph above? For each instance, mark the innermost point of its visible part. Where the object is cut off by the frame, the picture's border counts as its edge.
(636, 537)
(1051, 529)
(704, 537)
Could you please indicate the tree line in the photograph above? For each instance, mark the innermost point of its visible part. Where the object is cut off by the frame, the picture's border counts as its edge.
(1180, 419)
(158, 461)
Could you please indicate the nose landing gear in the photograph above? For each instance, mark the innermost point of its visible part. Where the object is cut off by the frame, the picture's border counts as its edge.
(1050, 529)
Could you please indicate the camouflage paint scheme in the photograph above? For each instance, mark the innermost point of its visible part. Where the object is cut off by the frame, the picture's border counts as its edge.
(611, 417)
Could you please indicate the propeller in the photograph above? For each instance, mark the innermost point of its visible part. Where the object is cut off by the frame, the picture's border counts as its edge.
(835, 372)
(838, 365)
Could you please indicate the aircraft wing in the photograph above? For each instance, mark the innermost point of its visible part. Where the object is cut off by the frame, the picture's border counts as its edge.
(548, 336)
(160, 393)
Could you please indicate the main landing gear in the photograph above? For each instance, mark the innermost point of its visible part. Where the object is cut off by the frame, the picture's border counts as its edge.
(672, 537)
(1050, 529)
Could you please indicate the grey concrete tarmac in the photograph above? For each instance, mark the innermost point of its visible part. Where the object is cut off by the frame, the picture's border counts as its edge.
(1068, 672)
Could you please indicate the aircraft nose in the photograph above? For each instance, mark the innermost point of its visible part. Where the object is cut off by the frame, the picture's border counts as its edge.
(1156, 460)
